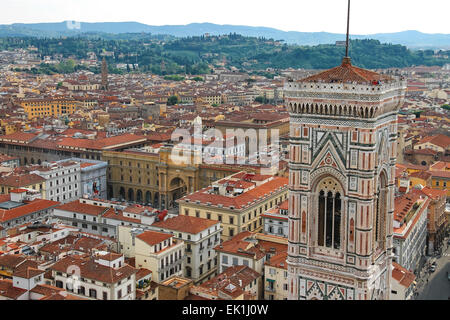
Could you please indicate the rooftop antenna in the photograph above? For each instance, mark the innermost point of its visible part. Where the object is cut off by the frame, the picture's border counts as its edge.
(348, 30)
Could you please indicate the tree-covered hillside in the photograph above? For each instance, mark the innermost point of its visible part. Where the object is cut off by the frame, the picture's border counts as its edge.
(195, 55)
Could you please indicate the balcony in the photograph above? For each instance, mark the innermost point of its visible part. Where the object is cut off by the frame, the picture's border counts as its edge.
(270, 289)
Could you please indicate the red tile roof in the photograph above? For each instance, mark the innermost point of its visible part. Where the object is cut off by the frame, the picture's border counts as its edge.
(9, 291)
(434, 193)
(21, 180)
(188, 224)
(19, 136)
(278, 260)
(439, 140)
(91, 270)
(84, 208)
(27, 273)
(153, 237)
(345, 73)
(240, 201)
(402, 275)
(440, 174)
(238, 276)
(28, 208)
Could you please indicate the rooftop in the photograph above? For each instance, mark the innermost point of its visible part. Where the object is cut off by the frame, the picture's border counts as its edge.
(347, 73)
(188, 224)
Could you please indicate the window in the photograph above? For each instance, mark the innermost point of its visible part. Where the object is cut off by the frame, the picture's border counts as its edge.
(225, 259)
(129, 288)
(245, 262)
(92, 293)
(380, 210)
(119, 294)
(329, 222)
(235, 261)
(105, 295)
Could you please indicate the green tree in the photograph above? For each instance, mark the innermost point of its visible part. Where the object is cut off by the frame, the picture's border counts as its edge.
(260, 99)
(173, 100)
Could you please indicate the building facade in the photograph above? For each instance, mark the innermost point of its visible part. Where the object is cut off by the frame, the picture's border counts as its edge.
(341, 200)
(62, 180)
(236, 201)
(92, 177)
(200, 237)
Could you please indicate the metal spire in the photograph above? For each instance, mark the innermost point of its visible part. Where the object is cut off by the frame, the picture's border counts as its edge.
(348, 30)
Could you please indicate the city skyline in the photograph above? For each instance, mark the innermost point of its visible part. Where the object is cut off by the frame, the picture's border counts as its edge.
(302, 16)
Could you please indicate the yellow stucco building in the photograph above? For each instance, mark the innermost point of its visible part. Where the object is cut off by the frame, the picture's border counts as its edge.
(39, 108)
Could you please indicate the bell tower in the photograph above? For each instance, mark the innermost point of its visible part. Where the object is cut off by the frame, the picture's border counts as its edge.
(104, 85)
(343, 131)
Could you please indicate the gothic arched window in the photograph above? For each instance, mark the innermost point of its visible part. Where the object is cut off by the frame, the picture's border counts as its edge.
(380, 212)
(329, 214)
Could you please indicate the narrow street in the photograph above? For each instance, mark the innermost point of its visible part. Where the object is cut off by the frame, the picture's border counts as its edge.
(438, 286)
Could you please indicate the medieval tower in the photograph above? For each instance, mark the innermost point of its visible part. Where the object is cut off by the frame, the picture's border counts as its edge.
(341, 178)
(104, 75)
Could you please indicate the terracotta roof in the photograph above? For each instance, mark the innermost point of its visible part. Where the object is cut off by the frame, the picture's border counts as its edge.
(11, 261)
(244, 244)
(424, 175)
(153, 237)
(346, 73)
(19, 136)
(84, 208)
(440, 174)
(9, 291)
(142, 273)
(62, 296)
(402, 275)
(28, 208)
(439, 140)
(278, 260)
(86, 244)
(45, 289)
(188, 224)
(110, 256)
(434, 193)
(20, 180)
(238, 277)
(239, 201)
(440, 165)
(91, 270)
(102, 144)
(27, 273)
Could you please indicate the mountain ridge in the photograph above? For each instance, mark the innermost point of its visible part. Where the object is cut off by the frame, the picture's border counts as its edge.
(410, 38)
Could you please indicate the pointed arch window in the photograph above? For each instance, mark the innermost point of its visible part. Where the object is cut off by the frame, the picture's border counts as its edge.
(380, 212)
(329, 215)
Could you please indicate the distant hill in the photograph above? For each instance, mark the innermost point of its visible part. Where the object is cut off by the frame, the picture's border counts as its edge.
(411, 39)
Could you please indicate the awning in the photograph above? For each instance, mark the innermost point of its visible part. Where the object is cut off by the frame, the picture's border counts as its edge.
(270, 280)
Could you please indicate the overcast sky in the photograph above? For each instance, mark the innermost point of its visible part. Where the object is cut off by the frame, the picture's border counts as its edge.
(368, 16)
